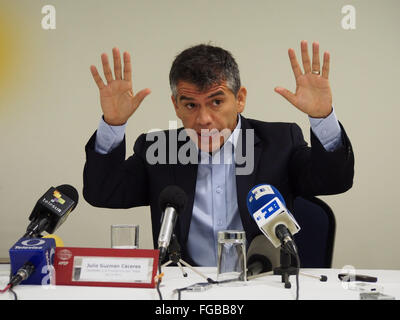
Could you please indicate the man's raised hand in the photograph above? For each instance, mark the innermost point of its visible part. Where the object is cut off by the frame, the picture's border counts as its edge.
(313, 93)
(117, 99)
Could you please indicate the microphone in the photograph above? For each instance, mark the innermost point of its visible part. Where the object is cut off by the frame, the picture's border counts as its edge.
(268, 208)
(51, 210)
(22, 274)
(262, 256)
(172, 201)
(32, 256)
(32, 261)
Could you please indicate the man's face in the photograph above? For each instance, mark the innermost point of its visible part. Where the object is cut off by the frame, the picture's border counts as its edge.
(211, 114)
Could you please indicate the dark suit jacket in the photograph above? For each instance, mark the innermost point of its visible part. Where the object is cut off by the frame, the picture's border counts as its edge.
(281, 158)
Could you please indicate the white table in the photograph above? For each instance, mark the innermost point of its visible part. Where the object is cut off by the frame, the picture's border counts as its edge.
(268, 287)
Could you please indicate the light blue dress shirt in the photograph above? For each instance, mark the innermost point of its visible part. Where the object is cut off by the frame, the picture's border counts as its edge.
(215, 204)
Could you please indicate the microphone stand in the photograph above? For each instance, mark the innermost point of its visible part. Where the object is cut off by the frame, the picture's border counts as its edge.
(174, 250)
(285, 270)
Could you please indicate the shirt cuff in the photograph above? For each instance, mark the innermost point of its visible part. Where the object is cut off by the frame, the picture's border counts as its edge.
(328, 131)
(108, 137)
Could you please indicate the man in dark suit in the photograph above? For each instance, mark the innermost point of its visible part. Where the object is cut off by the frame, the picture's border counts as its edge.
(208, 98)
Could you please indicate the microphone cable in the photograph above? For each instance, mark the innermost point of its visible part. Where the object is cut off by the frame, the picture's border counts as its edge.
(22, 274)
(292, 248)
(197, 287)
(202, 286)
(297, 274)
(9, 287)
(158, 279)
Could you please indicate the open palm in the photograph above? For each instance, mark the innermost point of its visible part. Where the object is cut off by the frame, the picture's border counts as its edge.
(313, 94)
(117, 99)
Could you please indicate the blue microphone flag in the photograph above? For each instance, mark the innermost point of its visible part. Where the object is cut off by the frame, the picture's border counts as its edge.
(40, 252)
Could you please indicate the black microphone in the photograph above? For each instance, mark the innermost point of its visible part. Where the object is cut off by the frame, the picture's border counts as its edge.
(51, 210)
(262, 256)
(172, 201)
(22, 274)
(286, 238)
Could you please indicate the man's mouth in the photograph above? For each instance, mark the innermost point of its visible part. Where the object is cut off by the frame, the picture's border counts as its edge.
(208, 133)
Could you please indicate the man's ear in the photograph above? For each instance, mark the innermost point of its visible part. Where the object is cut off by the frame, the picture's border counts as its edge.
(241, 99)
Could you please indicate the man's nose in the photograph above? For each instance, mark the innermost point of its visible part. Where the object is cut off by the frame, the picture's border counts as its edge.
(204, 117)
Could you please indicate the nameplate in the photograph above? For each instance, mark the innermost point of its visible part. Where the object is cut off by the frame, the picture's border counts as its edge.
(106, 267)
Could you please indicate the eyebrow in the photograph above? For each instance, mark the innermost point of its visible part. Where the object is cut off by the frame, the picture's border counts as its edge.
(218, 93)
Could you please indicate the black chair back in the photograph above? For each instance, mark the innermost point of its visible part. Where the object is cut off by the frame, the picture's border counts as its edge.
(315, 241)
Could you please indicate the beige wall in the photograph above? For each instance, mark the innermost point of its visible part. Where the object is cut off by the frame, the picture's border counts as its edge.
(49, 105)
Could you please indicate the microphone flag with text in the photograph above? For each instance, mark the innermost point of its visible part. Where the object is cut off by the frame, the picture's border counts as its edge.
(51, 210)
(172, 202)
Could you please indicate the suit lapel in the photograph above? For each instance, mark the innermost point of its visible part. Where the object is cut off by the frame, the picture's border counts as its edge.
(244, 182)
(185, 176)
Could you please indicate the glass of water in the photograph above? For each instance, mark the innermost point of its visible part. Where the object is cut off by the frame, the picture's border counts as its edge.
(124, 236)
(231, 264)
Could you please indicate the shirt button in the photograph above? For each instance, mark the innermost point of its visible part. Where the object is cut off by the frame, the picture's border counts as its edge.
(219, 222)
(219, 190)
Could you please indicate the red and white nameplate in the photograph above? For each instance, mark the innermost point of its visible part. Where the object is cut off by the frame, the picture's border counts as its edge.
(106, 267)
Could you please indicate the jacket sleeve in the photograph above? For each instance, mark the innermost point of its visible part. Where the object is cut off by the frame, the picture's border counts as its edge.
(110, 181)
(315, 171)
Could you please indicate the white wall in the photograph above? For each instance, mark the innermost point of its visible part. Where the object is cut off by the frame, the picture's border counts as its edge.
(49, 104)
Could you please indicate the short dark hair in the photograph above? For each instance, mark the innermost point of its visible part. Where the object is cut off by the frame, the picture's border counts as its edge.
(205, 65)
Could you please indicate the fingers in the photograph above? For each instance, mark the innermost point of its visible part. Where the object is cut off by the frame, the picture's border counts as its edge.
(127, 67)
(97, 78)
(106, 68)
(315, 58)
(117, 68)
(289, 96)
(325, 66)
(305, 58)
(117, 64)
(309, 66)
(295, 65)
(138, 98)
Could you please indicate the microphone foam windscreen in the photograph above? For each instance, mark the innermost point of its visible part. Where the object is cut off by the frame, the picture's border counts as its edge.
(264, 263)
(173, 196)
(70, 192)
